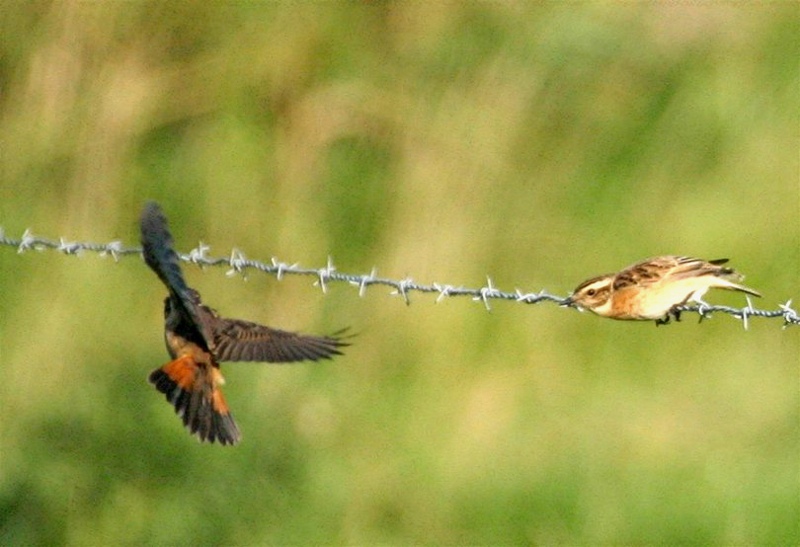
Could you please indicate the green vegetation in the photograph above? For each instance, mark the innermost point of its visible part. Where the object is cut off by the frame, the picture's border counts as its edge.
(539, 145)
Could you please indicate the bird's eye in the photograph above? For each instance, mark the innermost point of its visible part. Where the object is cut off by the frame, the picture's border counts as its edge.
(591, 292)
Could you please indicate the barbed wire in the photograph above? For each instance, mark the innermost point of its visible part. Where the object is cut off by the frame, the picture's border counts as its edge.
(238, 264)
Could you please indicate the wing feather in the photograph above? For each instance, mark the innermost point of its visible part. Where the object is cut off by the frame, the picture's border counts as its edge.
(163, 260)
(237, 340)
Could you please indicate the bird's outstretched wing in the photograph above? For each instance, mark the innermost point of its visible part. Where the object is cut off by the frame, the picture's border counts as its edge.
(163, 260)
(157, 249)
(237, 340)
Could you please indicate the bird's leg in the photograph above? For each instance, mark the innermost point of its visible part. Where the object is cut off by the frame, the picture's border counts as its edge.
(673, 312)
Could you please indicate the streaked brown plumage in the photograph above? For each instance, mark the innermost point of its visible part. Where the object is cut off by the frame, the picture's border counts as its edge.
(653, 288)
(198, 339)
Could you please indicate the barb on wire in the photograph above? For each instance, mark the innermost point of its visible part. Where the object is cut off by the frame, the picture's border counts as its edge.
(238, 264)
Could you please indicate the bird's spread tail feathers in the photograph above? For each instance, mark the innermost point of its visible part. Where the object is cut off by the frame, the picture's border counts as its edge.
(193, 391)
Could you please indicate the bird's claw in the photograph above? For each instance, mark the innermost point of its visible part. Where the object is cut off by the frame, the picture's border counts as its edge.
(673, 313)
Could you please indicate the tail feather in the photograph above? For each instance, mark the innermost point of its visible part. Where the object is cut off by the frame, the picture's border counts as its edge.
(730, 278)
(193, 391)
(737, 287)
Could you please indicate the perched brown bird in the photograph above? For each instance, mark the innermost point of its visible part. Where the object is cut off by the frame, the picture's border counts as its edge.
(198, 340)
(653, 288)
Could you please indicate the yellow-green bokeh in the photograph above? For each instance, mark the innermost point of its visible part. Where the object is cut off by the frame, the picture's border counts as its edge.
(445, 141)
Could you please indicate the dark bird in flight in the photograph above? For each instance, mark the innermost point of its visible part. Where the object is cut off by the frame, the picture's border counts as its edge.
(198, 340)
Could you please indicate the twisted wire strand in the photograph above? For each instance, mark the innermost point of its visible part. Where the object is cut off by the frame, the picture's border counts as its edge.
(238, 264)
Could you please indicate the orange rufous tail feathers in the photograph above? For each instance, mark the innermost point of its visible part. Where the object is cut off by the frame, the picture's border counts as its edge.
(192, 390)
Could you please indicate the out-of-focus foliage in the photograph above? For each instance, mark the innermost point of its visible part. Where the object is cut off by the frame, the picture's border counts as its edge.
(537, 144)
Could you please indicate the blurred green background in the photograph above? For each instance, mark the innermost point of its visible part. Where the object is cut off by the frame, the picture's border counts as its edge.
(539, 145)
